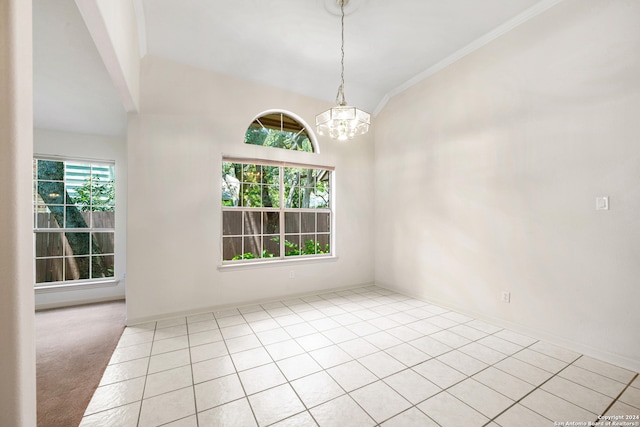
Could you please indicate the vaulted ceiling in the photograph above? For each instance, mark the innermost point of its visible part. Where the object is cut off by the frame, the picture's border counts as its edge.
(291, 44)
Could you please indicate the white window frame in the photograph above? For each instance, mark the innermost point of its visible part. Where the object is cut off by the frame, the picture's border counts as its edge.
(282, 210)
(63, 230)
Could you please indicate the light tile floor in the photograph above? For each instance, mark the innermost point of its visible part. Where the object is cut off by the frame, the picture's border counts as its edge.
(359, 357)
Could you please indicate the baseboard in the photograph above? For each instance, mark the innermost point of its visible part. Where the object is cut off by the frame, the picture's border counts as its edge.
(596, 353)
(146, 319)
(62, 304)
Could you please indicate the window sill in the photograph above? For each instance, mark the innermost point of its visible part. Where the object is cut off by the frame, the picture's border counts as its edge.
(275, 263)
(42, 289)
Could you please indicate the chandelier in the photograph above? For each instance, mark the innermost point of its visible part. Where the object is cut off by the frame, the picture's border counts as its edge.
(342, 122)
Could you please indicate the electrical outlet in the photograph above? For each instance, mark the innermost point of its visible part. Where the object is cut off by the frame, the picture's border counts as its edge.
(505, 297)
(292, 274)
(602, 203)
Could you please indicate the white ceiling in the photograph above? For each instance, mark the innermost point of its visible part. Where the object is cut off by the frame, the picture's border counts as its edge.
(291, 44)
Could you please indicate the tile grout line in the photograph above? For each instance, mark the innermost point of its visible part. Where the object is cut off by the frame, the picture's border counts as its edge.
(407, 367)
(442, 390)
(307, 409)
(193, 381)
(324, 370)
(568, 364)
(534, 390)
(485, 368)
(619, 396)
(146, 374)
(470, 377)
(388, 301)
(236, 373)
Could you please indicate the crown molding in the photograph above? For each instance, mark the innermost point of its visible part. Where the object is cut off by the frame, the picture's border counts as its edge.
(518, 20)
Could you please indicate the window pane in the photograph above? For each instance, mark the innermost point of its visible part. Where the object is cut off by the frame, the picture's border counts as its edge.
(78, 243)
(49, 216)
(322, 175)
(273, 195)
(291, 222)
(51, 193)
(49, 270)
(267, 200)
(319, 198)
(324, 243)
(103, 243)
(231, 248)
(232, 169)
(305, 197)
(78, 183)
(271, 223)
(322, 192)
(251, 173)
(50, 170)
(231, 223)
(280, 131)
(102, 219)
(291, 244)
(308, 222)
(252, 223)
(324, 222)
(231, 184)
(76, 268)
(308, 244)
(271, 246)
(252, 247)
(48, 244)
(291, 176)
(292, 197)
(102, 192)
(307, 177)
(75, 218)
(102, 266)
(306, 145)
(256, 135)
(271, 175)
(251, 195)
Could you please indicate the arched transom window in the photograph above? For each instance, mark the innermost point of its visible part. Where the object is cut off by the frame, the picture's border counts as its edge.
(279, 130)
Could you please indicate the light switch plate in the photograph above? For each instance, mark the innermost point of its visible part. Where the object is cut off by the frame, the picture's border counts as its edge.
(505, 296)
(602, 203)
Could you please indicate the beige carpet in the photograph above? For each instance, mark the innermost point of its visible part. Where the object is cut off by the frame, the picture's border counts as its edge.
(73, 347)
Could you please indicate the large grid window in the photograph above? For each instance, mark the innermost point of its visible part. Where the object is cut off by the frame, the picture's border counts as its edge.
(274, 211)
(74, 221)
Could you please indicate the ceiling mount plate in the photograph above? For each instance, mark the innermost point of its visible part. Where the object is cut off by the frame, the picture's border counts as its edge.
(350, 6)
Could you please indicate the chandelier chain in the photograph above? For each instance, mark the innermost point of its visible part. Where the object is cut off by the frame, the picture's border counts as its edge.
(340, 99)
(342, 122)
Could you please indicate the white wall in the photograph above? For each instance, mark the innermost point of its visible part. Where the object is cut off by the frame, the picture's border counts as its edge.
(90, 147)
(189, 119)
(17, 346)
(487, 174)
(114, 28)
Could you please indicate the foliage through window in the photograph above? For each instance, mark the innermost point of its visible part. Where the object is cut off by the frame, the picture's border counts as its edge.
(278, 130)
(74, 221)
(275, 211)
